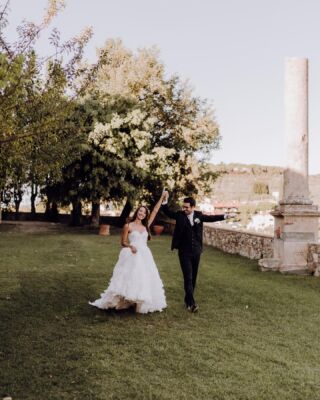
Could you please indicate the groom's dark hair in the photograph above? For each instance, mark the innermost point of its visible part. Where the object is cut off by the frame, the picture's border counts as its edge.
(190, 200)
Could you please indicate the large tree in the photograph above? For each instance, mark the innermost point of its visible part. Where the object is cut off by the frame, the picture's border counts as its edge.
(143, 131)
(183, 131)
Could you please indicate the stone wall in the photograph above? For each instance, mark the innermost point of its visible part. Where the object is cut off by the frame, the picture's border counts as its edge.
(250, 245)
(246, 244)
(314, 258)
(61, 218)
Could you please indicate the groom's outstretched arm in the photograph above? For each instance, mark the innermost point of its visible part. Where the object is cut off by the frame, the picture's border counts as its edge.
(169, 213)
(212, 218)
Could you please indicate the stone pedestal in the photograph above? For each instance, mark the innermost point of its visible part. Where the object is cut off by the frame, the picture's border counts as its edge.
(295, 227)
(296, 219)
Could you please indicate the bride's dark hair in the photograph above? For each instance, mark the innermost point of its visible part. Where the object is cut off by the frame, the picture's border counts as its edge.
(144, 221)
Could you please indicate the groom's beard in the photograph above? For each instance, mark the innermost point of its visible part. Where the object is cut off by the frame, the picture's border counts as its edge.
(187, 212)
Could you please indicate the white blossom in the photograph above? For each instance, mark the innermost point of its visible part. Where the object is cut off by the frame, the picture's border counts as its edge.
(116, 121)
(135, 117)
(163, 152)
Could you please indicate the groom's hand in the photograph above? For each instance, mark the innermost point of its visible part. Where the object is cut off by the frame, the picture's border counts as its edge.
(230, 215)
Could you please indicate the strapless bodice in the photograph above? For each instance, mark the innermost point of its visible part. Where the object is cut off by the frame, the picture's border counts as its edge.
(138, 238)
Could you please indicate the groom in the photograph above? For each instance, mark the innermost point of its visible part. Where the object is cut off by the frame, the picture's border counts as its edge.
(187, 238)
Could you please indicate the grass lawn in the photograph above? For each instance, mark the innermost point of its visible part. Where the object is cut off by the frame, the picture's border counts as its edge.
(256, 335)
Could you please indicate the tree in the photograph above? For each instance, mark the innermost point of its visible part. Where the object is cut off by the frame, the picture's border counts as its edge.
(98, 174)
(186, 125)
(36, 97)
(183, 132)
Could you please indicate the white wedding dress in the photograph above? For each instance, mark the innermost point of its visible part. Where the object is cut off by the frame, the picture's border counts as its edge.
(135, 280)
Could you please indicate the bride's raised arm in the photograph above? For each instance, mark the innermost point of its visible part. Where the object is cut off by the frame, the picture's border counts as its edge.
(155, 210)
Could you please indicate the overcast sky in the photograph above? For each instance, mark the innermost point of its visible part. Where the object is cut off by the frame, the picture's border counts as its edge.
(232, 51)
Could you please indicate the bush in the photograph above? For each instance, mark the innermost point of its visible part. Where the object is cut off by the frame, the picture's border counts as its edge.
(260, 188)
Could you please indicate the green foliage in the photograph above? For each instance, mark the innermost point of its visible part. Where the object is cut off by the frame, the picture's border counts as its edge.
(111, 130)
(36, 104)
(144, 132)
(184, 124)
(95, 174)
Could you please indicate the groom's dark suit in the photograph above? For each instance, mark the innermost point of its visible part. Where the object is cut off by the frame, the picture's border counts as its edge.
(188, 240)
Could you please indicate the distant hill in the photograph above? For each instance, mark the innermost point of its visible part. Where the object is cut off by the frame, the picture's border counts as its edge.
(253, 182)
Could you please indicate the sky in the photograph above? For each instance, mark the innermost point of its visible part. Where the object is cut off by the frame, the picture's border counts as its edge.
(231, 51)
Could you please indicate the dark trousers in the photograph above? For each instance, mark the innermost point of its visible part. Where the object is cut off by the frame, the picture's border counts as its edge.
(189, 262)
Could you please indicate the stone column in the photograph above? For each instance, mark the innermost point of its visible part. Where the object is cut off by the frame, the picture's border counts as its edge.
(296, 219)
(295, 185)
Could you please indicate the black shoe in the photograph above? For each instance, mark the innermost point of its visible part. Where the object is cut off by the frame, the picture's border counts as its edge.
(194, 308)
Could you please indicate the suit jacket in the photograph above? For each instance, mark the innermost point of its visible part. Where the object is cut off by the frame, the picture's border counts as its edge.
(186, 237)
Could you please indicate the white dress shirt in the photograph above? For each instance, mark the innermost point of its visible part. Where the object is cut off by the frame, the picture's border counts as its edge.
(190, 218)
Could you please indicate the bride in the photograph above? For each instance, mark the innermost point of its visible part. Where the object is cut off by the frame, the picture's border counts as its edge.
(135, 280)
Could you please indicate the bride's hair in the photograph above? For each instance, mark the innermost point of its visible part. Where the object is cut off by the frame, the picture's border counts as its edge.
(145, 219)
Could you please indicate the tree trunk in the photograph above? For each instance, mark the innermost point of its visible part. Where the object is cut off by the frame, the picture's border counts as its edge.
(17, 205)
(76, 213)
(125, 213)
(34, 193)
(17, 199)
(1, 200)
(95, 213)
(54, 212)
(48, 207)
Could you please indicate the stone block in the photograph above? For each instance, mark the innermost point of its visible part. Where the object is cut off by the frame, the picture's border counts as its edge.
(269, 264)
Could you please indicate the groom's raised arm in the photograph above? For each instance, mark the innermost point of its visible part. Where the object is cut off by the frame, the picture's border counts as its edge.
(169, 213)
(164, 206)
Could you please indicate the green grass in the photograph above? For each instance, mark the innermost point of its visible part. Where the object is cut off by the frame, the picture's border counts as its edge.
(256, 335)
